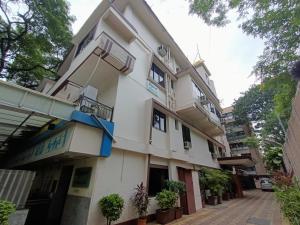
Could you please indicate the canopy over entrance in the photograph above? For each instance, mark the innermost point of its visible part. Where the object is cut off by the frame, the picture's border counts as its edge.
(24, 111)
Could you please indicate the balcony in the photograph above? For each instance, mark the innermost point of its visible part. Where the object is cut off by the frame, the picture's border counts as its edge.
(90, 106)
(195, 110)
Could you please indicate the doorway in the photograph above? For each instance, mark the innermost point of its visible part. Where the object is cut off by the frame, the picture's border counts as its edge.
(187, 201)
(58, 201)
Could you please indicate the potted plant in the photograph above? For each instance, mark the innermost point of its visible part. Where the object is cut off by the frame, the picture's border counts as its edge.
(179, 188)
(166, 201)
(214, 180)
(111, 207)
(141, 201)
(6, 209)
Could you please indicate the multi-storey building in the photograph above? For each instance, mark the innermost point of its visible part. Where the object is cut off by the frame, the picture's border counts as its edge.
(139, 111)
(291, 150)
(236, 135)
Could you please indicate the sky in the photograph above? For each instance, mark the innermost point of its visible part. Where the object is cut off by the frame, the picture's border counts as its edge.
(228, 53)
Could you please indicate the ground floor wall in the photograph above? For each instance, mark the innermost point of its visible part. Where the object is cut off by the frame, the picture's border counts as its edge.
(95, 177)
(122, 171)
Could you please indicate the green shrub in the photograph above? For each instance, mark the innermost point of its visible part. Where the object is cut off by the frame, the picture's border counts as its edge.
(289, 199)
(6, 208)
(176, 186)
(166, 199)
(111, 207)
(214, 180)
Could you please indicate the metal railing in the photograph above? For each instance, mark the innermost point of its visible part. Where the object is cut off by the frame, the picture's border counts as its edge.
(90, 106)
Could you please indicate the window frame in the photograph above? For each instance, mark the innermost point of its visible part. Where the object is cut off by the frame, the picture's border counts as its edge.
(155, 70)
(186, 134)
(157, 167)
(159, 121)
(85, 41)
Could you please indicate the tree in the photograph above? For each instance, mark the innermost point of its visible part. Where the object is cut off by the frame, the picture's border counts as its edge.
(268, 107)
(273, 158)
(277, 22)
(34, 37)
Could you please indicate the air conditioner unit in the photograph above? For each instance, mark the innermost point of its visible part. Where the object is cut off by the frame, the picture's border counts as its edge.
(187, 145)
(203, 100)
(162, 50)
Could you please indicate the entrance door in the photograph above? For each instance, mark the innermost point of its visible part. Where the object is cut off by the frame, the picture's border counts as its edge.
(58, 201)
(187, 201)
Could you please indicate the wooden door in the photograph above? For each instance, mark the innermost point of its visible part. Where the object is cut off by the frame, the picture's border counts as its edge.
(187, 201)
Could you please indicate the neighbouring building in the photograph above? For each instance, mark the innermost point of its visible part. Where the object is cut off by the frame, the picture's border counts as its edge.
(291, 147)
(129, 107)
(236, 135)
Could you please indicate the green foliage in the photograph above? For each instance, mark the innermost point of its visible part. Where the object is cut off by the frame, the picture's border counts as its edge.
(166, 199)
(111, 207)
(6, 208)
(176, 186)
(215, 180)
(35, 36)
(273, 158)
(289, 199)
(251, 142)
(268, 106)
(141, 200)
(265, 19)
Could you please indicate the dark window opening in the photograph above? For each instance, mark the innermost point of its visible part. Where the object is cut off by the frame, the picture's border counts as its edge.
(82, 177)
(86, 40)
(211, 148)
(176, 124)
(186, 134)
(159, 120)
(172, 84)
(157, 75)
(157, 177)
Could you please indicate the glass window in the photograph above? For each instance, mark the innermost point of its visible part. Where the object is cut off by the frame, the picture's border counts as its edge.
(82, 177)
(176, 124)
(157, 75)
(159, 120)
(197, 91)
(186, 134)
(86, 40)
(157, 178)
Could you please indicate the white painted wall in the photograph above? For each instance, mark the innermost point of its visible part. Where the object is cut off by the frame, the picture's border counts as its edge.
(86, 140)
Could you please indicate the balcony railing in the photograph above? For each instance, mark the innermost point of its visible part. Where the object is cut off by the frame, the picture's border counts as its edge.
(90, 106)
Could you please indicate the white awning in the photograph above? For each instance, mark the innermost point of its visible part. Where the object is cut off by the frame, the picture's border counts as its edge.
(23, 111)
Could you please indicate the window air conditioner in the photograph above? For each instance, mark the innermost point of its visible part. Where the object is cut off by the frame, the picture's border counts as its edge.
(187, 145)
(162, 51)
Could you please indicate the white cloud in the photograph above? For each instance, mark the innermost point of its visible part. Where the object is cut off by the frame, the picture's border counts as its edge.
(228, 53)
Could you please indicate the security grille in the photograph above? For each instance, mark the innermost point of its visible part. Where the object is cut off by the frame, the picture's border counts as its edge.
(15, 186)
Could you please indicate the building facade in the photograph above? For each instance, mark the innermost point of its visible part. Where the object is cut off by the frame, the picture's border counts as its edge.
(291, 149)
(236, 135)
(142, 113)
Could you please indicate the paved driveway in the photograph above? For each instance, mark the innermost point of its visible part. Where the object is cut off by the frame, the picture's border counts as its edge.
(256, 208)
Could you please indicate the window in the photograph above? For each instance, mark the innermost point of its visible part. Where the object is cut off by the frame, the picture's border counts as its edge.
(186, 134)
(211, 148)
(82, 177)
(157, 177)
(157, 75)
(176, 124)
(159, 120)
(86, 40)
(172, 84)
(197, 91)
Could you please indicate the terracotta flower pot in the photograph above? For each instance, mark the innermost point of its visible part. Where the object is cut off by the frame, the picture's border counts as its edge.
(178, 212)
(142, 221)
(226, 196)
(219, 199)
(165, 216)
(212, 200)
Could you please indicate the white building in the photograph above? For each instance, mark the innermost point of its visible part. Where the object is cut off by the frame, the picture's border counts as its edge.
(159, 119)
